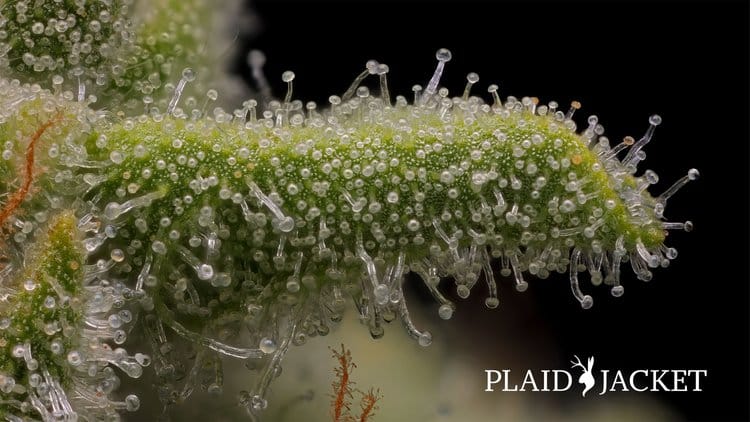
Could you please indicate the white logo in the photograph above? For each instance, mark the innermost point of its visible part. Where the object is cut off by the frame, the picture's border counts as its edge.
(586, 377)
(554, 380)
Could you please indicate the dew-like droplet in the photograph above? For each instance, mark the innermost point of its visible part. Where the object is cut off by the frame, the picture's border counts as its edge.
(287, 76)
(75, 358)
(286, 224)
(492, 302)
(587, 302)
(159, 247)
(132, 403)
(117, 255)
(425, 339)
(205, 272)
(188, 74)
(29, 285)
(445, 311)
(267, 345)
(443, 55)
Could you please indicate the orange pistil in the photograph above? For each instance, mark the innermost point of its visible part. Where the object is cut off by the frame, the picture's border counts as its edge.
(342, 385)
(369, 401)
(343, 391)
(18, 196)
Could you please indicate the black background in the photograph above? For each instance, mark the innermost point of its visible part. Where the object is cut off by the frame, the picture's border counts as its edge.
(687, 61)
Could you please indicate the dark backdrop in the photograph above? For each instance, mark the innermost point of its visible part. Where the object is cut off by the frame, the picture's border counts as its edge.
(623, 61)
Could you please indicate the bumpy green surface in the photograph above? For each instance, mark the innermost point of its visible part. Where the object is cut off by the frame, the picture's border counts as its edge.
(54, 269)
(45, 38)
(121, 50)
(300, 166)
(224, 222)
(225, 234)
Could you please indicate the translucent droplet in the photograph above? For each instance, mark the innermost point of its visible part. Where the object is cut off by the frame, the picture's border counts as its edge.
(125, 315)
(18, 350)
(205, 272)
(425, 339)
(382, 293)
(159, 247)
(112, 210)
(587, 302)
(117, 255)
(443, 55)
(292, 286)
(56, 346)
(114, 321)
(287, 224)
(110, 231)
(116, 157)
(492, 302)
(119, 336)
(195, 241)
(132, 403)
(267, 345)
(29, 285)
(221, 280)
(74, 358)
(188, 74)
(617, 291)
(8, 384)
(522, 286)
(34, 380)
(445, 311)
(287, 76)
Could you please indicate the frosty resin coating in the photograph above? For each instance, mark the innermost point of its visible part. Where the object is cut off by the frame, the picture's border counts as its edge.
(240, 233)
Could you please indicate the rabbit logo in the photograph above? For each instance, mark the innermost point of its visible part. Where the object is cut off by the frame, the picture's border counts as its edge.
(586, 378)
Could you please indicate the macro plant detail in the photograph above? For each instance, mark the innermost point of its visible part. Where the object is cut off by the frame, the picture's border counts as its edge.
(344, 389)
(134, 207)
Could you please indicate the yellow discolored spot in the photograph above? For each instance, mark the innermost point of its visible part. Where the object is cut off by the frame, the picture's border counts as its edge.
(576, 159)
(73, 265)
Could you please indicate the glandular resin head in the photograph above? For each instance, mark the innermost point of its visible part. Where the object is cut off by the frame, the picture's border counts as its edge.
(270, 218)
